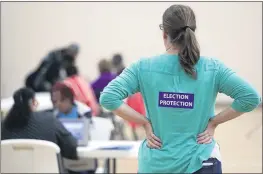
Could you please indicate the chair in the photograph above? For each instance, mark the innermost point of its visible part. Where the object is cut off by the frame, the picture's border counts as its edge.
(101, 129)
(29, 156)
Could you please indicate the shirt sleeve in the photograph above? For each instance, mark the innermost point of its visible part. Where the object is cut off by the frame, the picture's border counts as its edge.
(245, 96)
(121, 87)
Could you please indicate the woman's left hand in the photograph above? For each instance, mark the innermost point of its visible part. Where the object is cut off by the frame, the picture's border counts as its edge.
(152, 141)
(207, 136)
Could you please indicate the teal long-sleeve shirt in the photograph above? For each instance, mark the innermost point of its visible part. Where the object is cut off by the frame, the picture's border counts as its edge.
(178, 107)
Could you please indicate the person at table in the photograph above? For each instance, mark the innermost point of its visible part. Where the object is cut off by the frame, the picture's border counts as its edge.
(23, 122)
(106, 76)
(82, 90)
(62, 98)
(179, 88)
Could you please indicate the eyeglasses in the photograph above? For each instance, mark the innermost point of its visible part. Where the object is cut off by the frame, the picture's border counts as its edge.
(161, 26)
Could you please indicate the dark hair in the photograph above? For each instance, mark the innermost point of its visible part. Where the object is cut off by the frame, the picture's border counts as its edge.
(65, 91)
(117, 59)
(180, 24)
(73, 49)
(72, 70)
(20, 112)
(104, 66)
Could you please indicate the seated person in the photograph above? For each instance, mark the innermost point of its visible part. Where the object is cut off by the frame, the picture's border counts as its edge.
(62, 98)
(22, 122)
(82, 90)
(106, 76)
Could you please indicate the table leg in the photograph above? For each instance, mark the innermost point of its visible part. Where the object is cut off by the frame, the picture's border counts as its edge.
(114, 165)
(110, 163)
(107, 166)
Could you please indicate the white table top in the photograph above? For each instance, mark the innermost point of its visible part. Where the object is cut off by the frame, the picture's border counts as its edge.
(93, 149)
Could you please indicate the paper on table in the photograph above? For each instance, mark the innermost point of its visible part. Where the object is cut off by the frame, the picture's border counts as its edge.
(89, 148)
(120, 147)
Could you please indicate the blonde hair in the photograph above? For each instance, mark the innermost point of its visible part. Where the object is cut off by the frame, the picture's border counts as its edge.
(104, 66)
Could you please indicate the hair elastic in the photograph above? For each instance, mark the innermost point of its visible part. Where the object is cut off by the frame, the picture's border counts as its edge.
(185, 27)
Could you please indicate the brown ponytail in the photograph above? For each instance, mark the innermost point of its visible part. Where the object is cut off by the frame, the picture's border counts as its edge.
(189, 52)
(180, 24)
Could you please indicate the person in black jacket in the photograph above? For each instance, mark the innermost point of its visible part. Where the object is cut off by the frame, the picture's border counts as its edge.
(52, 68)
(23, 123)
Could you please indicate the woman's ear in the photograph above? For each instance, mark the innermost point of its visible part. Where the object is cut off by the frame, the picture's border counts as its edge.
(165, 36)
(166, 40)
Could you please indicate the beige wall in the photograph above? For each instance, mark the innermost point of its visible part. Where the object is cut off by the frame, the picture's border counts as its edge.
(230, 31)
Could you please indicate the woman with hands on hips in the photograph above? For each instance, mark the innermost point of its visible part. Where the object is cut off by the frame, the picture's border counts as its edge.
(179, 89)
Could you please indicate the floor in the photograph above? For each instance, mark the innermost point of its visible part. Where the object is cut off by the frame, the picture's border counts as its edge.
(240, 143)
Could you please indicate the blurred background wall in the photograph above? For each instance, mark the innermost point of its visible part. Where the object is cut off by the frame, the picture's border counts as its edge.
(230, 31)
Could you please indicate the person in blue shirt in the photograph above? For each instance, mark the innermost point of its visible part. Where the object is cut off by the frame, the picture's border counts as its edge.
(62, 98)
(179, 89)
(65, 108)
(64, 104)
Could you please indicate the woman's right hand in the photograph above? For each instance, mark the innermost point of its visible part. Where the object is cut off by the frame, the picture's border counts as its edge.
(153, 142)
